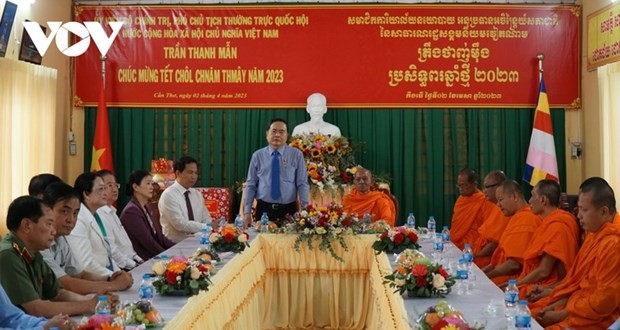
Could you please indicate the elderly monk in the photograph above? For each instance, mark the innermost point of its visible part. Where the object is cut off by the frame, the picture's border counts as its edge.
(469, 209)
(507, 260)
(362, 199)
(553, 247)
(494, 221)
(589, 295)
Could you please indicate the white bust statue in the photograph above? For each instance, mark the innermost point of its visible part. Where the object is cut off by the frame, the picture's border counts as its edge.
(316, 108)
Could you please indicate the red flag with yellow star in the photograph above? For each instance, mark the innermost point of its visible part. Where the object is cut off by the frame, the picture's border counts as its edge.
(102, 147)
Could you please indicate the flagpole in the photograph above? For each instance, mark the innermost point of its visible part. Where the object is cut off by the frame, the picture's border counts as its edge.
(103, 59)
(540, 57)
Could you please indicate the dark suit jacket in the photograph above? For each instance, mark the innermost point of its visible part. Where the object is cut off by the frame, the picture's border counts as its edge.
(146, 242)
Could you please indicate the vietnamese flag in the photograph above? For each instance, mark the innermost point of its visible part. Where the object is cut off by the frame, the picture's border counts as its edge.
(102, 147)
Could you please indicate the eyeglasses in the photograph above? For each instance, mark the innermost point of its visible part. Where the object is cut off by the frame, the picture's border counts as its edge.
(488, 186)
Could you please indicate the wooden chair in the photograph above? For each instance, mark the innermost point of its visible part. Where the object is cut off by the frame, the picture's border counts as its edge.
(384, 188)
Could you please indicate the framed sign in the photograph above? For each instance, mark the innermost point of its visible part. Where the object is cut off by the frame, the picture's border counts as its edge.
(6, 24)
(28, 51)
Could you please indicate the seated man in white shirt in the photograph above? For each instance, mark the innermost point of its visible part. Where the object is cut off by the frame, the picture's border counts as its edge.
(65, 204)
(122, 249)
(182, 209)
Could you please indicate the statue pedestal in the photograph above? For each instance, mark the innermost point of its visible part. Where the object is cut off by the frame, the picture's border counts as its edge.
(328, 196)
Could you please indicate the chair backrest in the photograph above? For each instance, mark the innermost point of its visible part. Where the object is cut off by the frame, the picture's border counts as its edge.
(386, 190)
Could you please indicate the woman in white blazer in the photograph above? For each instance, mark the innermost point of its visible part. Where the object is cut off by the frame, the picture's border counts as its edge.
(88, 240)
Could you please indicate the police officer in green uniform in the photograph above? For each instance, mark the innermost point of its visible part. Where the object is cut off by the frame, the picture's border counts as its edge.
(28, 281)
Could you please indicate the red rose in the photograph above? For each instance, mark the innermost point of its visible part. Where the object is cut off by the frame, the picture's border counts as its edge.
(419, 270)
(171, 278)
(346, 222)
(398, 238)
(384, 235)
(229, 237)
(420, 281)
(443, 272)
(413, 237)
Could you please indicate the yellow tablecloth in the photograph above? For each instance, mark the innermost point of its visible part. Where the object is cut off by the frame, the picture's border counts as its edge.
(271, 286)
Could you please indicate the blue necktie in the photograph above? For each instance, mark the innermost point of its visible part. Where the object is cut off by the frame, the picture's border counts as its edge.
(275, 176)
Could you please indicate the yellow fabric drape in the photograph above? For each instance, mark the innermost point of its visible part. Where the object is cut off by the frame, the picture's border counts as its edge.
(271, 286)
(28, 124)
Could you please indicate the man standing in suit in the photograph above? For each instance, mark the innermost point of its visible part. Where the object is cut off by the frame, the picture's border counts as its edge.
(277, 175)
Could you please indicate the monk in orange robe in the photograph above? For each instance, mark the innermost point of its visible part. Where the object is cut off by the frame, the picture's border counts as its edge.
(507, 260)
(589, 295)
(494, 223)
(469, 209)
(362, 199)
(553, 247)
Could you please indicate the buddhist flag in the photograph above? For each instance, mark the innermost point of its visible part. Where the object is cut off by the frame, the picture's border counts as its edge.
(102, 147)
(541, 162)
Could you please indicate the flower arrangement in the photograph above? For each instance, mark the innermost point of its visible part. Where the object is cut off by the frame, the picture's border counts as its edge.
(419, 277)
(185, 276)
(100, 322)
(396, 240)
(377, 227)
(443, 317)
(327, 224)
(229, 238)
(329, 159)
(161, 165)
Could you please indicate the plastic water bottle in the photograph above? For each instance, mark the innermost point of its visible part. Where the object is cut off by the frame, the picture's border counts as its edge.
(523, 317)
(438, 247)
(222, 223)
(102, 307)
(431, 225)
(468, 254)
(264, 223)
(445, 234)
(145, 292)
(164, 258)
(468, 257)
(239, 221)
(463, 274)
(511, 296)
(205, 231)
(411, 221)
(366, 219)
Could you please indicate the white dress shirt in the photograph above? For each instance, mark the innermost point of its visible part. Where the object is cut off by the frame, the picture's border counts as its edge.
(88, 245)
(174, 217)
(122, 250)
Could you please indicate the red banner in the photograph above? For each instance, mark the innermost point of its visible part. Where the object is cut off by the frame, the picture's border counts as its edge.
(356, 55)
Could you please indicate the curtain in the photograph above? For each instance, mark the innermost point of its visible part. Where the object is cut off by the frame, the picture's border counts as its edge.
(609, 100)
(421, 150)
(27, 127)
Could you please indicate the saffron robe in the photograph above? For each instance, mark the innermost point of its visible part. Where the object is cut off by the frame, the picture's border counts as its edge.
(592, 285)
(495, 223)
(557, 236)
(467, 217)
(515, 240)
(377, 203)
